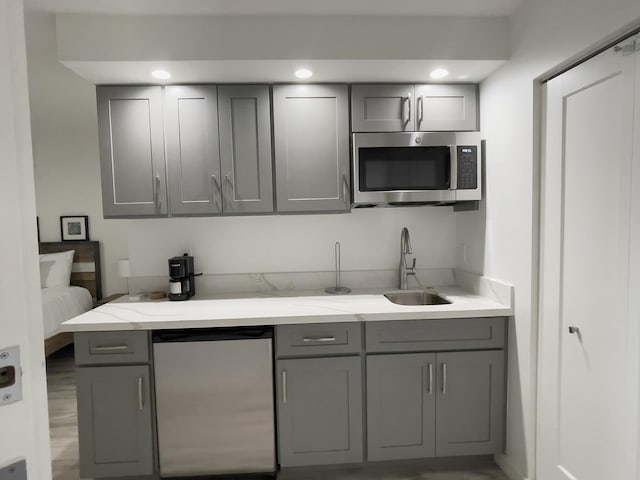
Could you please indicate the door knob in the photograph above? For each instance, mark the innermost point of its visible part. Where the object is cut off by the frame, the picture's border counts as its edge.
(574, 330)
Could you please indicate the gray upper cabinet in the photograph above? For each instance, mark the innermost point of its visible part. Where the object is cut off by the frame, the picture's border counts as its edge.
(319, 411)
(114, 421)
(311, 144)
(193, 155)
(446, 107)
(132, 158)
(382, 108)
(401, 404)
(245, 148)
(470, 403)
(425, 108)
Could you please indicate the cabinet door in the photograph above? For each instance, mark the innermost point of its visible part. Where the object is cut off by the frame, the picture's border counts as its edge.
(470, 403)
(382, 108)
(319, 411)
(193, 155)
(131, 151)
(401, 406)
(245, 148)
(114, 421)
(311, 135)
(446, 107)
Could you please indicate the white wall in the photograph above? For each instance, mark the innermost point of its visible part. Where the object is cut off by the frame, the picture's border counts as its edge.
(65, 149)
(24, 424)
(370, 240)
(501, 237)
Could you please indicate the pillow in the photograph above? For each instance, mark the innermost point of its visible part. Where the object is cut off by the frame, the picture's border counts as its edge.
(55, 269)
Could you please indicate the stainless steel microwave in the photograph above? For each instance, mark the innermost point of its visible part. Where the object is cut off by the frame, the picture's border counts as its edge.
(416, 168)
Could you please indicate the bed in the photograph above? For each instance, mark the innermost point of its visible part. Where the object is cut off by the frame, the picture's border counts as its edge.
(62, 302)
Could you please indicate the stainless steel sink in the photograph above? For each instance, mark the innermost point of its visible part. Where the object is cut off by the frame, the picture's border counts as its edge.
(416, 298)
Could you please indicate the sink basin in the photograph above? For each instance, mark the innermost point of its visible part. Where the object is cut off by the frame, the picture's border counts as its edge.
(416, 298)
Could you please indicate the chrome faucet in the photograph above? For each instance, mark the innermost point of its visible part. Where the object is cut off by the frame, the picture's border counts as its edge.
(405, 248)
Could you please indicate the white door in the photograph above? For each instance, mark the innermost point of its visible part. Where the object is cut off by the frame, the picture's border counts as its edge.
(587, 412)
(24, 423)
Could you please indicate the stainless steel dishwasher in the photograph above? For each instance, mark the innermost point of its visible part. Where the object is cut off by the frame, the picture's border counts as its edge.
(215, 402)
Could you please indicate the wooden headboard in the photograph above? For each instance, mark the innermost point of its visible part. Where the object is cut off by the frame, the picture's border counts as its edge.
(86, 270)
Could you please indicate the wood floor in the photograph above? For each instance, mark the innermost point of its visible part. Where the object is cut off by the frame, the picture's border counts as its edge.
(64, 443)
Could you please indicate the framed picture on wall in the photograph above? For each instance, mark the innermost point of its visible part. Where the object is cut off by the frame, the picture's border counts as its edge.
(74, 228)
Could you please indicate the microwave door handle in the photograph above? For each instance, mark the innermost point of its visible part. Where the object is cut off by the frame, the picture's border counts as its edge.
(453, 179)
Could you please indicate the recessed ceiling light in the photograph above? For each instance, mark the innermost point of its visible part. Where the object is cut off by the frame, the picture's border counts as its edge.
(439, 73)
(161, 74)
(303, 73)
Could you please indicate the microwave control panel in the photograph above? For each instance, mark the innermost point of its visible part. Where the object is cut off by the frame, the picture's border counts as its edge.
(467, 167)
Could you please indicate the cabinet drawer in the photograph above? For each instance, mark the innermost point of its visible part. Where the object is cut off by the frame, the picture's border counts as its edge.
(318, 339)
(111, 347)
(435, 335)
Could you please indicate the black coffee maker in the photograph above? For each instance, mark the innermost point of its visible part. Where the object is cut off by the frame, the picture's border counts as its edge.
(182, 285)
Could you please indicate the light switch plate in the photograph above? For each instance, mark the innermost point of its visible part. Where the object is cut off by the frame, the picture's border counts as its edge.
(15, 471)
(10, 368)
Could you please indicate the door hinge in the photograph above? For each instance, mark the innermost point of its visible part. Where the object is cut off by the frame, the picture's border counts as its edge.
(628, 48)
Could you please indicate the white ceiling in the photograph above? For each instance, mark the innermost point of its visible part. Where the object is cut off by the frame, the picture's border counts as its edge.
(281, 7)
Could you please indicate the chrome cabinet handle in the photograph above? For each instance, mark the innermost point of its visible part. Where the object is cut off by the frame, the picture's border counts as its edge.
(444, 378)
(156, 188)
(409, 103)
(140, 399)
(430, 383)
(284, 386)
(319, 339)
(420, 108)
(214, 184)
(110, 348)
(229, 196)
(346, 190)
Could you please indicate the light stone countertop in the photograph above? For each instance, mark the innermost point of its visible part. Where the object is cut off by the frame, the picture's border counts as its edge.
(278, 309)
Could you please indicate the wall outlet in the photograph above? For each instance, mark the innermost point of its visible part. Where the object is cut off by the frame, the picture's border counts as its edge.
(10, 375)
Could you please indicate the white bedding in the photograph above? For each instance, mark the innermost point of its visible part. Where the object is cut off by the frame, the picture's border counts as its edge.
(62, 303)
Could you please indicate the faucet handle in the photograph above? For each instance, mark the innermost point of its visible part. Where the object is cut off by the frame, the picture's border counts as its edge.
(412, 269)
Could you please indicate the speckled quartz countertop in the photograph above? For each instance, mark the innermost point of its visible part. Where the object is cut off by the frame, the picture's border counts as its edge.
(287, 308)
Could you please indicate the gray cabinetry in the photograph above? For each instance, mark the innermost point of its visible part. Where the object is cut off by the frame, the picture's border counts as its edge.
(193, 155)
(132, 161)
(382, 108)
(401, 406)
(245, 148)
(397, 108)
(115, 409)
(114, 421)
(319, 411)
(470, 403)
(446, 107)
(311, 144)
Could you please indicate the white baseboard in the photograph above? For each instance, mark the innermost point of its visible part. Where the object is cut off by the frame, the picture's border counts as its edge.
(507, 467)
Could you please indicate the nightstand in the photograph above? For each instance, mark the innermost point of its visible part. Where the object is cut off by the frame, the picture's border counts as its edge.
(108, 299)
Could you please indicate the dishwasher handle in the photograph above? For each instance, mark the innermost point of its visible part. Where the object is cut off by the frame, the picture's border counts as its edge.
(212, 334)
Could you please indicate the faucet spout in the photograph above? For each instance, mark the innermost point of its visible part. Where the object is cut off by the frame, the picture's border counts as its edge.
(405, 249)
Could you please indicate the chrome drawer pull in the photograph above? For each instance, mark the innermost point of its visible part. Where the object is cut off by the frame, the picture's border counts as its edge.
(431, 379)
(444, 378)
(140, 399)
(111, 349)
(284, 386)
(319, 339)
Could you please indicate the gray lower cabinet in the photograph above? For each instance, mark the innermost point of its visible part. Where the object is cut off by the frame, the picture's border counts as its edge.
(132, 163)
(470, 403)
(311, 144)
(193, 153)
(319, 411)
(114, 421)
(401, 406)
(428, 404)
